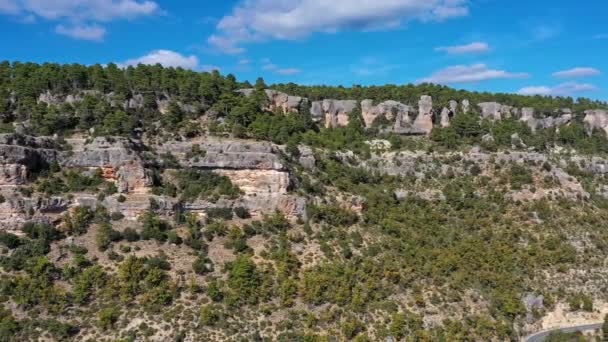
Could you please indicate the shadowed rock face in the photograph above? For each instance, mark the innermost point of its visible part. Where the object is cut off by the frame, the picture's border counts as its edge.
(21, 156)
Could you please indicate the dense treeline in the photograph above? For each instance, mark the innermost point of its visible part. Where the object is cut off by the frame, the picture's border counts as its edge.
(105, 89)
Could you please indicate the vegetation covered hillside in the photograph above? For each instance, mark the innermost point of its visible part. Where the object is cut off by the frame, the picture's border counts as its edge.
(160, 204)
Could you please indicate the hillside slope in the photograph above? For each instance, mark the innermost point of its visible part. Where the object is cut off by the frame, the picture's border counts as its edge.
(162, 204)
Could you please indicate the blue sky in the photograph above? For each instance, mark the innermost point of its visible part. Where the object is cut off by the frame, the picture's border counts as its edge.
(531, 47)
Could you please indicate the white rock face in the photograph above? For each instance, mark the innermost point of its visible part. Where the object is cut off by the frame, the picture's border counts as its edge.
(445, 117)
(490, 110)
(334, 113)
(424, 121)
(596, 119)
(279, 101)
(390, 110)
(466, 106)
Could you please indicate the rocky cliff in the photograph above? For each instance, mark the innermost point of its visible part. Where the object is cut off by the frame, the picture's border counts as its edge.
(405, 119)
(255, 168)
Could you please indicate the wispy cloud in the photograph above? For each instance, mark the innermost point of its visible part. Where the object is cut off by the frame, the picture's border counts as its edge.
(268, 65)
(259, 20)
(577, 73)
(473, 48)
(564, 89)
(469, 74)
(288, 71)
(92, 33)
(371, 66)
(78, 19)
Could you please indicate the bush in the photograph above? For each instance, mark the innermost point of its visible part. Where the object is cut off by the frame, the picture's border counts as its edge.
(130, 235)
(153, 227)
(242, 213)
(202, 265)
(9, 240)
(207, 185)
(106, 318)
(219, 213)
(40, 231)
(208, 315)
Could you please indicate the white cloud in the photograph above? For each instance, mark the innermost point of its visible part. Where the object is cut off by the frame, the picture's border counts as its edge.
(476, 47)
(244, 61)
(258, 20)
(166, 58)
(469, 74)
(563, 89)
(577, 72)
(92, 33)
(79, 19)
(288, 71)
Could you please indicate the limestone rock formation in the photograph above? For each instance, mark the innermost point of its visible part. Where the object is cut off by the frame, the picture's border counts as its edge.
(445, 117)
(596, 119)
(466, 106)
(20, 156)
(490, 110)
(117, 157)
(424, 121)
(279, 100)
(393, 111)
(333, 113)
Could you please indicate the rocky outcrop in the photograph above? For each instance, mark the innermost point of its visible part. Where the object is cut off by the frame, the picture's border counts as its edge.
(333, 113)
(391, 111)
(596, 120)
(117, 157)
(466, 106)
(490, 110)
(424, 121)
(21, 156)
(279, 101)
(446, 115)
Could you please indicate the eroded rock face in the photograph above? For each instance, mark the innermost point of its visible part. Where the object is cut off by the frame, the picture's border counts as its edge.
(392, 111)
(424, 121)
(490, 110)
(596, 119)
(445, 117)
(118, 159)
(334, 113)
(279, 100)
(466, 106)
(20, 156)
